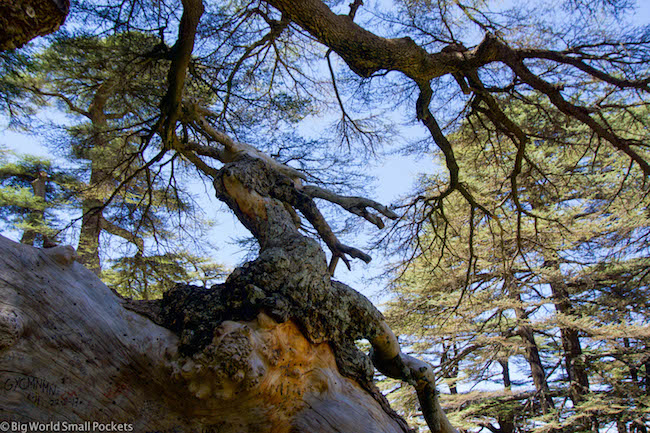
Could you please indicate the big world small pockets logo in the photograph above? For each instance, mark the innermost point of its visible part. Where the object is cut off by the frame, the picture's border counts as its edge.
(64, 426)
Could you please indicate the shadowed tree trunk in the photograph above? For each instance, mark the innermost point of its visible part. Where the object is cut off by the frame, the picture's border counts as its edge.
(505, 365)
(22, 21)
(36, 217)
(506, 420)
(536, 366)
(574, 364)
(531, 351)
(92, 205)
(449, 359)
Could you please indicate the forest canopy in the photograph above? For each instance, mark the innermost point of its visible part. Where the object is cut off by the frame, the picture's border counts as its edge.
(520, 266)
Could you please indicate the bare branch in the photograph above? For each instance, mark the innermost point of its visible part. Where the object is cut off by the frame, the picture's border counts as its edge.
(71, 105)
(277, 27)
(585, 67)
(233, 150)
(356, 205)
(116, 230)
(182, 53)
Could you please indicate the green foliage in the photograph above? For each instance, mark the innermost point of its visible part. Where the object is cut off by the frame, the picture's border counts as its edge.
(110, 87)
(566, 257)
(20, 208)
(12, 64)
(139, 277)
(148, 277)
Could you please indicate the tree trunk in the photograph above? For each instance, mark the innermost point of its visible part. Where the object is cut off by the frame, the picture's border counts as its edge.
(506, 423)
(91, 227)
(638, 426)
(574, 363)
(270, 350)
(72, 353)
(506, 419)
(36, 216)
(536, 367)
(531, 352)
(93, 205)
(21, 21)
(634, 374)
(507, 383)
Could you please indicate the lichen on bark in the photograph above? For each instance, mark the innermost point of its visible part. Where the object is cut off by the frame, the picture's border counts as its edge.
(289, 280)
(290, 283)
(73, 354)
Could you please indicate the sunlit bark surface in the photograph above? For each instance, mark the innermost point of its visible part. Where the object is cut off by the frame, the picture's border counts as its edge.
(71, 352)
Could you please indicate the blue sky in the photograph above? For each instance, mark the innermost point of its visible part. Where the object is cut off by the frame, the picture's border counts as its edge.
(395, 178)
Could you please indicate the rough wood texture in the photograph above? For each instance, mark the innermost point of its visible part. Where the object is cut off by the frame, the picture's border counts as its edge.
(71, 352)
(22, 21)
(272, 349)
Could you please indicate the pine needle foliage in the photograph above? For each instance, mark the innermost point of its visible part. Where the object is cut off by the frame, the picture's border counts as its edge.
(535, 307)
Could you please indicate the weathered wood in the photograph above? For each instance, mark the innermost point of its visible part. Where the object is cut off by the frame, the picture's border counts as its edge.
(71, 352)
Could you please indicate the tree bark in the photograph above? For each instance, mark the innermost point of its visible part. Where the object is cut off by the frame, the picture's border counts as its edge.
(535, 363)
(37, 216)
(505, 365)
(506, 419)
(293, 274)
(574, 364)
(91, 226)
(526, 333)
(72, 353)
(93, 205)
(366, 53)
(506, 423)
(22, 21)
(272, 349)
